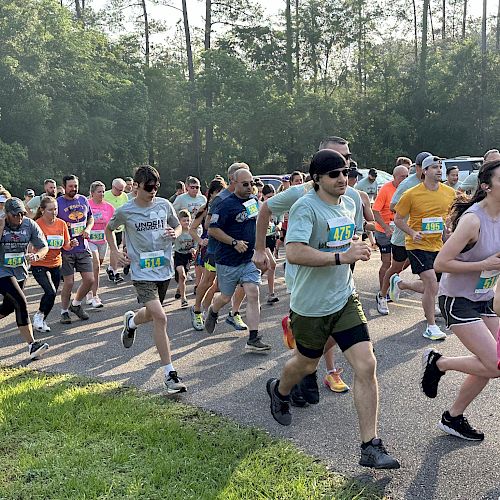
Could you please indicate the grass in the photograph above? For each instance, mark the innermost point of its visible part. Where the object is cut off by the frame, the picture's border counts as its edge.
(63, 437)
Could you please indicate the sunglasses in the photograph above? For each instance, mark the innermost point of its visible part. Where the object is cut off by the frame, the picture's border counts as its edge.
(152, 187)
(333, 174)
(246, 184)
(194, 187)
(348, 156)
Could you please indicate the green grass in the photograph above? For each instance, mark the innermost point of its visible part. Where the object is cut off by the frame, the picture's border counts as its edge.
(66, 437)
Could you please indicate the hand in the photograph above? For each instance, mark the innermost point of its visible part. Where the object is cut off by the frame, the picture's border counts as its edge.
(241, 246)
(73, 243)
(169, 233)
(122, 258)
(86, 234)
(388, 231)
(32, 257)
(261, 260)
(359, 250)
(492, 263)
(204, 242)
(417, 236)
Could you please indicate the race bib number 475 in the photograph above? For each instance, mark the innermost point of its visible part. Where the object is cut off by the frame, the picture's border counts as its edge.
(340, 233)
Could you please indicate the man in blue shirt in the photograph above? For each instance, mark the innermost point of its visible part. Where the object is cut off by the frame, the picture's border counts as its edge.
(233, 226)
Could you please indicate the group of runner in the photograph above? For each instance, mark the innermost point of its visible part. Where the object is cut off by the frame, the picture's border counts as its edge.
(450, 240)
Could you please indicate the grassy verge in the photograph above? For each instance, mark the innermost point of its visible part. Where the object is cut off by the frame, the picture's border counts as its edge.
(64, 437)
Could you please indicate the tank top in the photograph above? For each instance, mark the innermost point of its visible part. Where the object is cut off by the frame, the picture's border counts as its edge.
(476, 286)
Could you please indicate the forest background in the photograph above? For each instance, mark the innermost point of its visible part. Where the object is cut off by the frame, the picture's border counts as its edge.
(98, 87)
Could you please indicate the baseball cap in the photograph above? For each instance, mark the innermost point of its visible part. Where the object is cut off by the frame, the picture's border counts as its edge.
(372, 172)
(354, 172)
(431, 160)
(29, 192)
(421, 157)
(14, 206)
(285, 178)
(326, 160)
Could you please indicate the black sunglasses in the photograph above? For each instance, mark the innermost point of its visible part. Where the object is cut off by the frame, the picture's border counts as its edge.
(246, 184)
(333, 174)
(150, 187)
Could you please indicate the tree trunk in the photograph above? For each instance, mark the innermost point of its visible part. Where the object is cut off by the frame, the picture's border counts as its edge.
(482, 118)
(314, 53)
(464, 20)
(415, 29)
(146, 30)
(192, 95)
(497, 44)
(297, 44)
(360, 45)
(432, 24)
(78, 9)
(289, 47)
(209, 128)
(443, 26)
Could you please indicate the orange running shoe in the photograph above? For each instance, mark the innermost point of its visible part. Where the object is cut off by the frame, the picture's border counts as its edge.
(334, 381)
(288, 337)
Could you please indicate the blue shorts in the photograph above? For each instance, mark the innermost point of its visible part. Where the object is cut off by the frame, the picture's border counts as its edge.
(230, 277)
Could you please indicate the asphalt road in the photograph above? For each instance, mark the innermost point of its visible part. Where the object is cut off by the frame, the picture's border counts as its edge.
(223, 378)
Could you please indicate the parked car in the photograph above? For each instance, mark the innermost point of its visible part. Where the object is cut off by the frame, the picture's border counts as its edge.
(382, 176)
(274, 180)
(465, 164)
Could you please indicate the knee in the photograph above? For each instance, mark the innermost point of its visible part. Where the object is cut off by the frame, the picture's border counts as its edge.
(366, 369)
(252, 293)
(159, 318)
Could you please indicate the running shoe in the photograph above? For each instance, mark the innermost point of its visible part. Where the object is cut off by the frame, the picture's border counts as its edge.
(111, 275)
(297, 398)
(272, 298)
(46, 328)
(126, 270)
(37, 349)
(118, 278)
(184, 303)
(197, 320)
(173, 383)
(433, 332)
(394, 289)
(376, 456)
(256, 345)
(177, 294)
(128, 334)
(96, 302)
(235, 321)
(280, 409)
(388, 298)
(211, 320)
(79, 311)
(65, 318)
(459, 427)
(431, 374)
(382, 305)
(310, 389)
(38, 322)
(288, 337)
(334, 381)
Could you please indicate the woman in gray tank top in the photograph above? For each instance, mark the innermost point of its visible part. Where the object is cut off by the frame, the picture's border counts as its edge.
(470, 263)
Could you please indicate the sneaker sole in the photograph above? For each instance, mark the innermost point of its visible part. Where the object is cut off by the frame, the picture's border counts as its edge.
(372, 466)
(433, 337)
(453, 432)
(235, 326)
(38, 354)
(252, 348)
(347, 389)
(176, 391)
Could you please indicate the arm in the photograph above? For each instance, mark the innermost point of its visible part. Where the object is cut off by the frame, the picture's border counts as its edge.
(195, 223)
(400, 222)
(223, 237)
(466, 232)
(88, 227)
(380, 220)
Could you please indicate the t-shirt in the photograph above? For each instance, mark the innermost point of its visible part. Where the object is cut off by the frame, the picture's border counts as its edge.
(382, 204)
(150, 252)
(454, 186)
(427, 212)
(34, 203)
(189, 203)
(236, 217)
(75, 213)
(398, 236)
(184, 243)
(57, 236)
(14, 247)
(370, 188)
(117, 202)
(470, 183)
(213, 244)
(320, 291)
(102, 215)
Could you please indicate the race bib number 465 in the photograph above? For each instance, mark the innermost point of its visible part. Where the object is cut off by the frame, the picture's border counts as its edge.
(152, 260)
(340, 233)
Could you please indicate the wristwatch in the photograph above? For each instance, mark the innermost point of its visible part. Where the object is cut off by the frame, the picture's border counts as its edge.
(234, 243)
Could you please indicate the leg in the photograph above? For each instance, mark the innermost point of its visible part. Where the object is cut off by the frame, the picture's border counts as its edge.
(386, 264)
(181, 274)
(69, 280)
(395, 268)
(209, 296)
(295, 369)
(253, 306)
(154, 310)
(85, 285)
(96, 263)
(238, 297)
(431, 286)
(41, 275)
(206, 282)
(271, 272)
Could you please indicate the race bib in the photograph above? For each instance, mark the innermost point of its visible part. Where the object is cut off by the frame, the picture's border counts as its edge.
(487, 281)
(152, 260)
(432, 225)
(13, 259)
(97, 236)
(271, 229)
(77, 228)
(252, 208)
(55, 241)
(340, 233)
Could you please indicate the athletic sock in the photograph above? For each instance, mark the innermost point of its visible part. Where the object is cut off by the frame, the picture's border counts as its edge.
(197, 312)
(64, 311)
(131, 323)
(280, 396)
(365, 445)
(169, 368)
(253, 334)
(76, 303)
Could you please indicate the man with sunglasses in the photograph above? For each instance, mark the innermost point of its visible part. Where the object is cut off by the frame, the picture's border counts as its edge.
(150, 225)
(193, 200)
(322, 243)
(233, 226)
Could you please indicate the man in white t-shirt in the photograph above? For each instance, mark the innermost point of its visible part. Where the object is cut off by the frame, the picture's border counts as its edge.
(193, 200)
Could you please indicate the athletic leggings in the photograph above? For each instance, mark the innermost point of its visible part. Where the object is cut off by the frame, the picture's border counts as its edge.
(14, 300)
(48, 278)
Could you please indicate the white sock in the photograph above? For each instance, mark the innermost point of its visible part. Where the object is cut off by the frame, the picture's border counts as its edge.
(76, 303)
(64, 311)
(111, 269)
(131, 323)
(169, 368)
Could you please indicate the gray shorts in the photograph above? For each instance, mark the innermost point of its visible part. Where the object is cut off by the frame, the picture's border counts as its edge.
(150, 290)
(101, 249)
(383, 242)
(230, 277)
(80, 262)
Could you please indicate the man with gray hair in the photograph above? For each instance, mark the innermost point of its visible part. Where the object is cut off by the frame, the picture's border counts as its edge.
(233, 225)
(49, 189)
(117, 197)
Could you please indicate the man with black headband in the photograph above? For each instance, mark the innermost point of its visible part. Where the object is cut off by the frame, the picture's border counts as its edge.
(322, 242)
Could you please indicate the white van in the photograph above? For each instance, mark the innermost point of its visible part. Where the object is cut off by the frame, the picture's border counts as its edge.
(465, 164)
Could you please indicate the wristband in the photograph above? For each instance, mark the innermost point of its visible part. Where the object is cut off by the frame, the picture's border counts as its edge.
(337, 259)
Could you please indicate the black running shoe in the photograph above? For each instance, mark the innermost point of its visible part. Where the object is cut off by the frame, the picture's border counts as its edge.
(459, 427)
(126, 270)
(173, 383)
(128, 334)
(111, 275)
(376, 456)
(431, 374)
(256, 345)
(79, 311)
(177, 294)
(65, 318)
(211, 320)
(280, 409)
(296, 397)
(37, 349)
(309, 388)
(118, 278)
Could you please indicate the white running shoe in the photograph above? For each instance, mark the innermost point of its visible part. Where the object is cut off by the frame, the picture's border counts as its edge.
(38, 322)
(432, 332)
(394, 289)
(96, 302)
(382, 307)
(46, 328)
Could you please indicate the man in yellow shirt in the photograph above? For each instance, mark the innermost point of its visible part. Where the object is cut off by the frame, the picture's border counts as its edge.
(427, 206)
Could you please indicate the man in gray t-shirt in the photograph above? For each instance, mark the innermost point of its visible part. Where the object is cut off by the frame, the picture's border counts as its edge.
(150, 226)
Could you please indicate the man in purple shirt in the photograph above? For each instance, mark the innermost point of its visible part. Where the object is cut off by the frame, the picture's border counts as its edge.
(74, 209)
